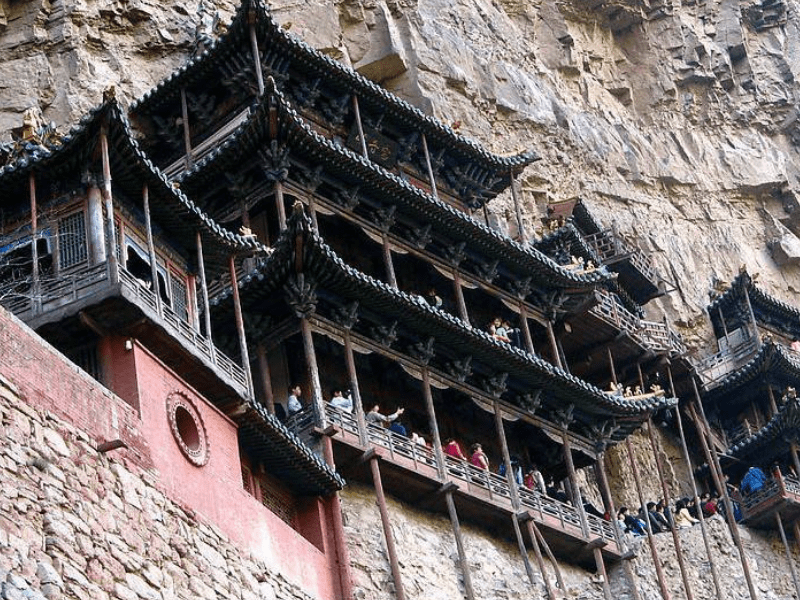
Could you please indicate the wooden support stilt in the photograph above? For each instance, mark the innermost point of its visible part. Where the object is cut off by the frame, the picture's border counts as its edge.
(35, 287)
(391, 278)
(653, 550)
(773, 406)
(394, 565)
(201, 271)
(313, 373)
(429, 164)
(463, 564)
(722, 489)
(537, 552)
(752, 318)
(686, 457)
(256, 58)
(111, 236)
(459, 290)
(788, 550)
(280, 206)
(151, 247)
(433, 423)
(340, 541)
(551, 557)
(795, 458)
(518, 209)
(526, 328)
(237, 308)
(187, 136)
(362, 138)
(551, 335)
(523, 551)
(358, 407)
(266, 379)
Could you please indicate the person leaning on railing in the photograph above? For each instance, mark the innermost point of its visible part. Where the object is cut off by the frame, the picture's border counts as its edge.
(453, 448)
(375, 417)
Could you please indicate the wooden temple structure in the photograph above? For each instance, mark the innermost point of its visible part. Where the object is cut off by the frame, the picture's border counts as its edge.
(279, 220)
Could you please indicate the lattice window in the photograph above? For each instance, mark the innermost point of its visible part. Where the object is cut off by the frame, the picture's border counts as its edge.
(72, 248)
(277, 499)
(88, 360)
(180, 298)
(247, 481)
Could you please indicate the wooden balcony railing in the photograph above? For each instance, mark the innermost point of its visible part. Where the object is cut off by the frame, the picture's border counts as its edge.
(715, 368)
(472, 480)
(611, 248)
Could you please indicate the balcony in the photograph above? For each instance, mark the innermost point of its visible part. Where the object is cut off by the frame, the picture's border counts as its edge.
(714, 369)
(117, 304)
(636, 273)
(411, 472)
(779, 496)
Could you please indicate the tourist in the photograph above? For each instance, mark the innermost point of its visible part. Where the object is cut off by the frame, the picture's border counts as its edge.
(709, 507)
(452, 448)
(478, 457)
(497, 331)
(649, 521)
(752, 481)
(341, 401)
(665, 513)
(375, 417)
(434, 299)
(399, 428)
(294, 404)
(534, 480)
(632, 524)
(418, 439)
(657, 517)
(682, 517)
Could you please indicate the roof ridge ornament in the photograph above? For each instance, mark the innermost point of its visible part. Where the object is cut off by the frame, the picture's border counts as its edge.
(209, 27)
(301, 295)
(34, 138)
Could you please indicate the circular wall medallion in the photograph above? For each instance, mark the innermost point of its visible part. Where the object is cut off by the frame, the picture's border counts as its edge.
(187, 428)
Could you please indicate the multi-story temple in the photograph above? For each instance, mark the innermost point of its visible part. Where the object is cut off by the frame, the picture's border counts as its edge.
(278, 221)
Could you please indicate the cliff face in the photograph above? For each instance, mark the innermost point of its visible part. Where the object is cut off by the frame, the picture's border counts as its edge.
(676, 121)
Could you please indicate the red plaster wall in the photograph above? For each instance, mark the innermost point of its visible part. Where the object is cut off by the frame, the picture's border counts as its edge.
(48, 381)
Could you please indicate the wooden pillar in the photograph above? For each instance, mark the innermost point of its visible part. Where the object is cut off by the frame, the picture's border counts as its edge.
(201, 268)
(340, 542)
(611, 366)
(752, 317)
(722, 489)
(676, 538)
(237, 308)
(722, 322)
(256, 58)
(551, 335)
(279, 205)
(788, 550)
(469, 594)
(358, 407)
(391, 278)
(362, 138)
(795, 458)
(313, 372)
(517, 209)
(653, 550)
(266, 380)
(96, 224)
(433, 423)
(187, 137)
(537, 552)
(35, 288)
(111, 237)
(523, 551)
(526, 328)
(387, 527)
(773, 406)
(151, 247)
(459, 290)
(429, 164)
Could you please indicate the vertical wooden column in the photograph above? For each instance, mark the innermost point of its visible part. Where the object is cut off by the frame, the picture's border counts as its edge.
(256, 55)
(313, 372)
(187, 136)
(358, 407)
(111, 237)
(526, 328)
(459, 290)
(201, 268)
(795, 458)
(429, 164)
(387, 527)
(653, 550)
(517, 208)
(35, 288)
(788, 550)
(533, 534)
(237, 308)
(433, 423)
(676, 538)
(469, 594)
(362, 138)
(96, 224)
(722, 489)
(551, 335)
(391, 278)
(151, 247)
(752, 318)
(280, 206)
(266, 379)
(773, 406)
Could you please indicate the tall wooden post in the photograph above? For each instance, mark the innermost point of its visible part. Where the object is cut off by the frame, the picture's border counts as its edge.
(358, 407)
(313, 372)
(362, 138)
(459, 290)
(35, 288)
(266, 379)
(462, 554)
(391, 278)
(773, 406)
(551, 335)
(526, 328)
(111, 237)
(429, 164)
(394, 564)
(151, 247)
(433, 423)
(187, 137)
(280, 206)
(752, 317)
(237, 308)
(201, 268)
(256, 57)
(788, 550)
(795, 458)
(517, 209)
(722, 489)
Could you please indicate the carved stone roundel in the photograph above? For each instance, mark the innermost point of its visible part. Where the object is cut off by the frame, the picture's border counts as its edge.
(188, 428)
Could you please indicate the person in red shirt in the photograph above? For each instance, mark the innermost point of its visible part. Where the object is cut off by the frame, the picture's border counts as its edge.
(451, 448)
(478, 457)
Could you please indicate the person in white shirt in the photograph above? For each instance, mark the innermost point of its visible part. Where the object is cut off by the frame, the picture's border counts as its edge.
(295, 404)
(341, 401)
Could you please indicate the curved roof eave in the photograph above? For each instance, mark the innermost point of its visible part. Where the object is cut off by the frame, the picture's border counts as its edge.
(772, 356)
(270, 29)
(786, 419)
(439, 324)
(253, 130)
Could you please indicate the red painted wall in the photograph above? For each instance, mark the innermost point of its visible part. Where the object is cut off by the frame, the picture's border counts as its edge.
(48, 381)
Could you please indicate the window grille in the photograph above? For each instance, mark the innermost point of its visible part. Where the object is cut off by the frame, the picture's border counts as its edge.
(279, 501)
(88, 360)
(72, 241)
(180, 300)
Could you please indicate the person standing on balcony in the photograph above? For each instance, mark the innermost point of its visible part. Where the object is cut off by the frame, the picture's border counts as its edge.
(340, 401)
(478, 458)
(534, 480)
(452, 448)
(375, 417)
(295, 404)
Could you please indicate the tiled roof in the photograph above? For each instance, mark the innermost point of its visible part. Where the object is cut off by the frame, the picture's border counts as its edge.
(772, 439)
